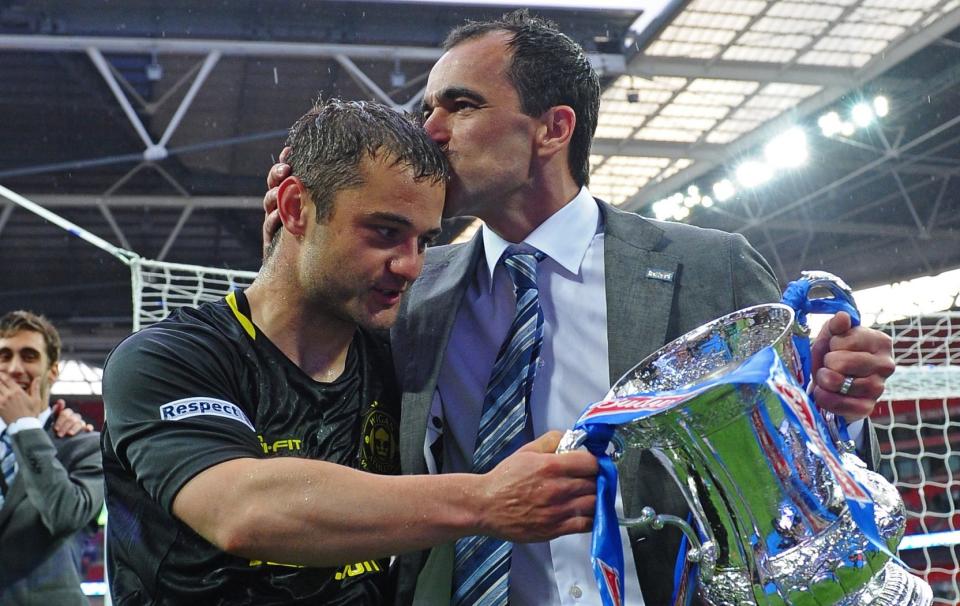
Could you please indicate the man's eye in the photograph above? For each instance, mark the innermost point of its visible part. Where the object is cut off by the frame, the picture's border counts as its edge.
(464, 105)
(387, 232)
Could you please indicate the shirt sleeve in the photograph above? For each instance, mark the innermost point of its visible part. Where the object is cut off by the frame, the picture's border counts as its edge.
(172, 401)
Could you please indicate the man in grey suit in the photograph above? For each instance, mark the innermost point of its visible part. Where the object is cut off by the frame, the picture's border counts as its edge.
(514, 104)
(50, 487)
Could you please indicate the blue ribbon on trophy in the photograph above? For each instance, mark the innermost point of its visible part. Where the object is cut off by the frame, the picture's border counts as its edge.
(600, 420)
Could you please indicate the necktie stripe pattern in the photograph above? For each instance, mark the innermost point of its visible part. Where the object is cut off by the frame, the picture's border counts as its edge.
(8, 465)
(482, 564)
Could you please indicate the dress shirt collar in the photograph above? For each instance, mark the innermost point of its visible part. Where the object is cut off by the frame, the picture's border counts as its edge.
(562, 237)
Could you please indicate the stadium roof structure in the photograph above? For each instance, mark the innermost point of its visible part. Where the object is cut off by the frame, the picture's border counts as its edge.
(152, 124)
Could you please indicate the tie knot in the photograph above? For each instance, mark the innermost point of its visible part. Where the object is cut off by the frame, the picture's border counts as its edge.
(521, 264)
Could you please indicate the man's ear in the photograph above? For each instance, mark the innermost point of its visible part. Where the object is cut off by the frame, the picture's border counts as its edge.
(555, 130)
(53, 373)
(294, 205)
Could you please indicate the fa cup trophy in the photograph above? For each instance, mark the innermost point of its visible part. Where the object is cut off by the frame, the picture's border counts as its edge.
(782, 512)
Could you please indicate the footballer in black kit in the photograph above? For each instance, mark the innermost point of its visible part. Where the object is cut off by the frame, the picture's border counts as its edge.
(203, 387)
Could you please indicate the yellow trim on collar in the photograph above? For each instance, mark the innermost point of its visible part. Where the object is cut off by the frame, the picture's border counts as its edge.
(242, 319)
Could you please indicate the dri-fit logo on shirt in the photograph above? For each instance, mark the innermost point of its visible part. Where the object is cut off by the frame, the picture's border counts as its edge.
(288, 444)
(194, 407)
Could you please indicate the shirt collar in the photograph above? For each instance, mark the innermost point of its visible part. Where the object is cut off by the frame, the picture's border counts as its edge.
(563, 237)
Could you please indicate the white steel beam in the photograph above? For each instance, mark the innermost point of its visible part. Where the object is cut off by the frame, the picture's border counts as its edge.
(208, 64)
(606, 64)
(104, 68)
(364, 81)
(187, 211)
(753, 71)
(134, 201)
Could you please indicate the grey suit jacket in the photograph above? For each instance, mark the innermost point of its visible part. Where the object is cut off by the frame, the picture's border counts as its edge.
(57, 491)
(713, 273)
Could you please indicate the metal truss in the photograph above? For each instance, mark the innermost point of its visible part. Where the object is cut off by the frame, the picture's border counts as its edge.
(836, 83)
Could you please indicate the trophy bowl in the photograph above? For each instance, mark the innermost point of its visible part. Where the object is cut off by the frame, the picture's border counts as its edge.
(771, 525)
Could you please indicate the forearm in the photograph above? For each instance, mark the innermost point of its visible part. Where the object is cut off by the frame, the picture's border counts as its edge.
(316, 513)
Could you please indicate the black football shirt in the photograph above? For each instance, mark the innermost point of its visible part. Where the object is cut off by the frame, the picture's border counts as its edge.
(206, 386)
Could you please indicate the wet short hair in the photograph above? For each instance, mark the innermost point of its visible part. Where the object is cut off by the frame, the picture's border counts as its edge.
(330, 141)
(547, 69)
(14, 322)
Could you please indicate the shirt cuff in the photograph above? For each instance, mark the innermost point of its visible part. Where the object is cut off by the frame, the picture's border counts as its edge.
(24, 423)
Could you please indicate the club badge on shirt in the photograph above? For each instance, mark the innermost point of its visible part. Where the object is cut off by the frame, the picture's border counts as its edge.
(379, 446)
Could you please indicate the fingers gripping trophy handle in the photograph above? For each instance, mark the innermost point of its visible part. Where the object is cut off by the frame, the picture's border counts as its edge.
(798, 296)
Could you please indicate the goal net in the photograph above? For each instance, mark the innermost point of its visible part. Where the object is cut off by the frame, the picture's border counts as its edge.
(918, 425)
(160, 287)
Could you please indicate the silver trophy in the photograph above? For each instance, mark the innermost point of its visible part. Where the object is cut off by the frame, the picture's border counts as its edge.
(770, 532)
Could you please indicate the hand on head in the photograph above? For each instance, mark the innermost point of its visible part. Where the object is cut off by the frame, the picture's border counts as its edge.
(271, 221)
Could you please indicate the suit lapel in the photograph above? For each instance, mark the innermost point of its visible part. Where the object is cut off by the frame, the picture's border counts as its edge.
(420, 339)
(639, 289)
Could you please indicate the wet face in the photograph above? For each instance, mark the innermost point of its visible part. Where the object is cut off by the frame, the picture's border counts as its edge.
(473, 111)
(358, 263)
(23, 357)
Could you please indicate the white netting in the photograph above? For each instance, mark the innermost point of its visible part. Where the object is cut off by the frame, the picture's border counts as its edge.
(160, 287)
(918, 423)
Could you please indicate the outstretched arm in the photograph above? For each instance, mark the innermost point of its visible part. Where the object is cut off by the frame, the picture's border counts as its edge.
(321, 514)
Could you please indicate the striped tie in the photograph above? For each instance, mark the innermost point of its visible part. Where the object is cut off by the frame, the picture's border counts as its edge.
(8, 465)
(482, 564)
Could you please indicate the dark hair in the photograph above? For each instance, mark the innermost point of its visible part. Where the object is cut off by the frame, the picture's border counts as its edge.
(329, 142)
(14, 322)
(547, 69)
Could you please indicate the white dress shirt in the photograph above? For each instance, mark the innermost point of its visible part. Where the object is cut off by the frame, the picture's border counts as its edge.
(573, 372)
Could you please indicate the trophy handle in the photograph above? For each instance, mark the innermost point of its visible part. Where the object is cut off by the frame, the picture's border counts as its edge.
(704, 554)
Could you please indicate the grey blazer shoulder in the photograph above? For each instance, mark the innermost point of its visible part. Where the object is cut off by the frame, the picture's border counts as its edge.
(65, 478)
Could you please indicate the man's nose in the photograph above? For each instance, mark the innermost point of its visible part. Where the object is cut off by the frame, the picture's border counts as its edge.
(407, 264)
(436, 127)
(12, 366)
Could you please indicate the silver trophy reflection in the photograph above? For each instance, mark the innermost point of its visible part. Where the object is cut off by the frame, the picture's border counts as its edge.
(774, 525)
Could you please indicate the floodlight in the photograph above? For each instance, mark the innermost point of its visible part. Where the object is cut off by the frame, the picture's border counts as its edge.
(682, 213)
(787, 150)
(829, 124)
(862, 115)
(706, 201)
(753, 173)
(881, 106)
(723, 190)
(693, 190)
(847, 129)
